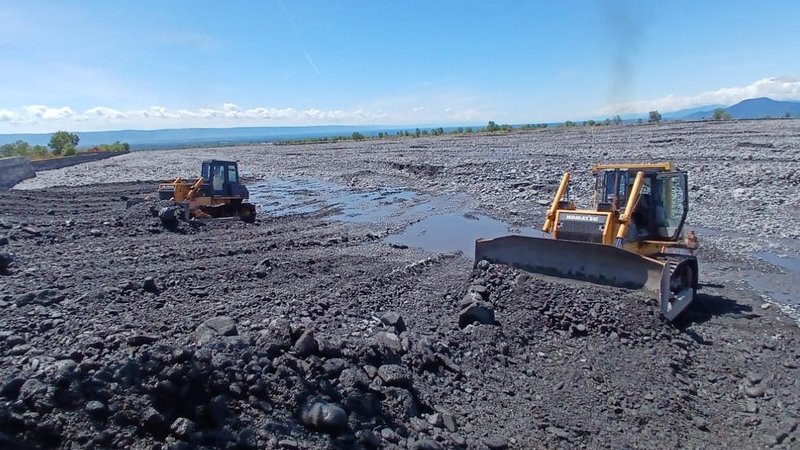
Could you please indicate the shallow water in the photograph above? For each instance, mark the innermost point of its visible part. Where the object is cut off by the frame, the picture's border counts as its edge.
(433, 223)
(455, 232)
(785, 262)
(286, 196)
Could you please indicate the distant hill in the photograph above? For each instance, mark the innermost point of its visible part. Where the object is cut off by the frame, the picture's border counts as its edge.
(754, 108)
(681, 114)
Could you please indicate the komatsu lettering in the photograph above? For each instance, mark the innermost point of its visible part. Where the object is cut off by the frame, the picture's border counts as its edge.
(582, 217)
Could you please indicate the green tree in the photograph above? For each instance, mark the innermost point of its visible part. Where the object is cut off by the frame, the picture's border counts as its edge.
(60, 141)
(570, 123)
(469, 130)
(491, 127)
(721, 114)
(617, 120)
(19, 148)
(417, 132)
(654, 117)
(39, 151)
(356, 136)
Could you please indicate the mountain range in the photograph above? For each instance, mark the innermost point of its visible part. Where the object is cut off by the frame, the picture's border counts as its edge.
(753, 108)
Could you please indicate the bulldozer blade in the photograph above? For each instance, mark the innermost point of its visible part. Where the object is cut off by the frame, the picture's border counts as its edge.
(596, 263)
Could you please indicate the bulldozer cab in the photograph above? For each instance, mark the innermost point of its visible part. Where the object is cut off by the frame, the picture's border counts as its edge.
(662, 205)
(223, 178)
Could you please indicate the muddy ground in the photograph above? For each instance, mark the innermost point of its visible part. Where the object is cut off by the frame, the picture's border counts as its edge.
(305, 330)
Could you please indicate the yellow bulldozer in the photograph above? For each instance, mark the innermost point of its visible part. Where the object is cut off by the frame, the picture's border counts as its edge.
(217, 193)
(632, 237)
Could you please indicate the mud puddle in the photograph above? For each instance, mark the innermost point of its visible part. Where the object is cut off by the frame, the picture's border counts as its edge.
(781, 285)
(288, 196)
(785, 262)
(433, 223)
(455, 232)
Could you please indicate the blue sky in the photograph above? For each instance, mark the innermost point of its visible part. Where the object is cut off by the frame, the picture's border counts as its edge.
(100, 65)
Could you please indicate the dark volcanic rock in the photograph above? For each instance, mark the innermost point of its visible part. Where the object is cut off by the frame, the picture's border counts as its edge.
(394, 319)
(427, 444)
(5, 262)
(496, 442)
(214, 328)
(305, 345)
(389, 343)
(141, 339)
(170, 215)
(11, 387)
(149, 285)
(96, 408)
(153, 422)
(32, 390)
(182, 428)
(323, 416)
(395, 375)
(478, 312)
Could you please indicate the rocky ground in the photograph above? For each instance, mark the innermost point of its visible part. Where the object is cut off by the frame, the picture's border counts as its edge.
(734, 165)
(300, 331)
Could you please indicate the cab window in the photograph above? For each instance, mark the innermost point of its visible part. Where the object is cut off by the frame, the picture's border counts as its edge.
(233, 176)
(673, 205)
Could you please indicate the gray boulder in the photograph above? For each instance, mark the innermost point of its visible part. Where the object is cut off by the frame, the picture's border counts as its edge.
(323, 416)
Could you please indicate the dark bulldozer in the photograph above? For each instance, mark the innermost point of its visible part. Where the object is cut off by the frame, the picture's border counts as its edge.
(632, 237)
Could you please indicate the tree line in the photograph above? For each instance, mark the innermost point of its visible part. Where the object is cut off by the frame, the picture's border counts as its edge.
(62, 143)
(652, 117)
(491, 127)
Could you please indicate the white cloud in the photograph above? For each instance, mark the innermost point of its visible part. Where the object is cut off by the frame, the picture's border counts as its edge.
(8, 116)
(418, 108)
(319, 115)
(774, 88)
(37, 117)
(230, 110)
(47, 113)
(187, 113)
(102, 112)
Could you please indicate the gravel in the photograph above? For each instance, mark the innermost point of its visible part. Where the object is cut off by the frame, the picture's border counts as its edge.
(733, 166)
(304, 332)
